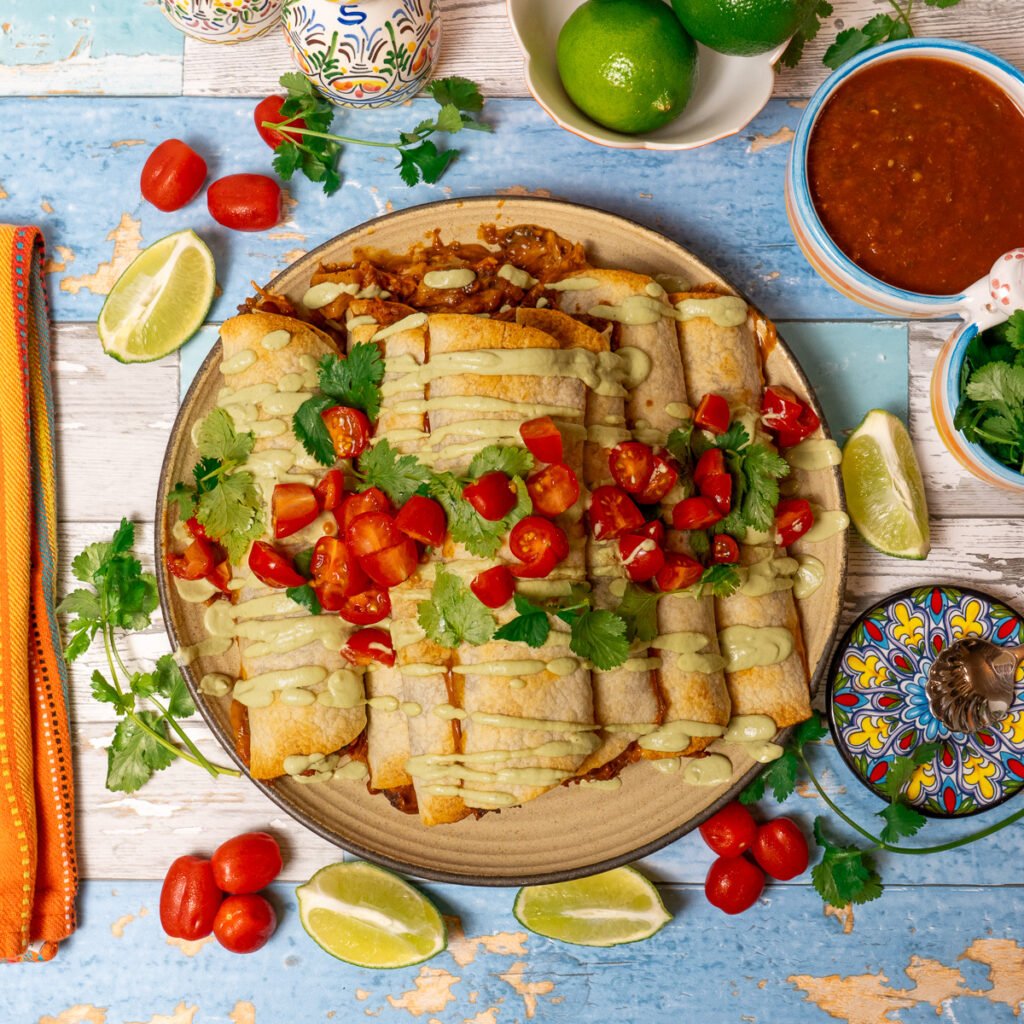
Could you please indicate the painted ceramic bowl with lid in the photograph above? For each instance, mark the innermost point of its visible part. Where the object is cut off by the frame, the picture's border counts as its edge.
(222, 21)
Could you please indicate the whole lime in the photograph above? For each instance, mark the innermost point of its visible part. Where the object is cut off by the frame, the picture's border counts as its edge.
(741, 27)
(628, 64)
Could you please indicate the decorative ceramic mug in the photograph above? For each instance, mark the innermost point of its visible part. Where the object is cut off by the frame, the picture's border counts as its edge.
(372, 53)
(222, 21)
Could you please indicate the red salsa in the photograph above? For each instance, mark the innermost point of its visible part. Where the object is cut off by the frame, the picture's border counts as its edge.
(916, 169)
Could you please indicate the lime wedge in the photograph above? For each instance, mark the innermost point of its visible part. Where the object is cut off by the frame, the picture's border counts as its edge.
(160, 301)
(884, 489)
(608, 909)
(369, 917)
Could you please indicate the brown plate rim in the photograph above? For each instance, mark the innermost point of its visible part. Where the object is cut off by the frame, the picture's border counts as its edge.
(305, 819)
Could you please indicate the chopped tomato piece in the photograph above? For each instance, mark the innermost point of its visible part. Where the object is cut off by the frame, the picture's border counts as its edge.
(631, 464)
(806, 425)
(680, 571)
(793, 518)
(330, 490)
(534, 537)
(197, 561)
(392, 565)
(273, 567)
(422, 519)
(373, 499)
(543, 439)
(196, 528)
(368, 606)
(293, 506)
(718, 487)
(349, 429)
(334, 566)
(493, 495)
(695, 514)
(370, 532)
(664, 477)
(494, 587)
(365, 646)
(713, 414)
(655, 529)
(221, 577)
(780, 408)
(724, 550)
(553, 489)
(613, 513)
(641, 557)
(711, 463)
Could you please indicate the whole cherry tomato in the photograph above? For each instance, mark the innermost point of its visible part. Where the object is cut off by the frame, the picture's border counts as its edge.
(695, 514)
(553, 489)
(631, 464)
(664, 477)
(641, 557)
(781, 849)
(494, 587)
(733, 884)
(244, 923)
(422, 519)
(365, 646)
(370, 532)
(730, 831)
(793, 518)
(724, 550)
(392, 565)
(680, 571)
(712, 414)
(367, 607)
(245, 202)
(292, 507)
(373, 499)
(273, 567)
(613, 513)
(189, 899)
(543, 439)
(246, 863)
(493, 495)
(349, 429)
(172, 175)
(330, 491)
(269, 109)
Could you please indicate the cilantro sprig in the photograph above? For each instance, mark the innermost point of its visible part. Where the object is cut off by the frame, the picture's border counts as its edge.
(118, 597)
(314, 149)
(847, 872)
(453, 614)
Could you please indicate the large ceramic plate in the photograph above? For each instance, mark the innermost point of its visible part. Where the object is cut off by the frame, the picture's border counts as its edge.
(570, 831)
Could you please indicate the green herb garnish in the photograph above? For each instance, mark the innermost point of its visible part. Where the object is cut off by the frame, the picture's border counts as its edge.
(453, 614)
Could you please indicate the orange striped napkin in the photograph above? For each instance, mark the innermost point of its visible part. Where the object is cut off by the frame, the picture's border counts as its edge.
(38, 873)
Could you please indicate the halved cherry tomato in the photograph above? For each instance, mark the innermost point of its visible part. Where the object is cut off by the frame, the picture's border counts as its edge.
(330, 491)
(655, 529)
(806, 425)
(336, 573)
(349, 429)
(368, 606)
(422, 519)
(245, 202)
(189, 899)
(711, 463)
(537, 570)
(680, 571)
(292, 507)
(365, 646)
(793, 518)
(695, 514)
(370, 532)
(197, 561)
(641, 557)
(731, 831)
(543, 439)
(373, 499)
(664, 477)
(534, 539)
(244, 923)
(246, 863)
(269, 109)
(613, 513)
(493, 495)
(713, 414)
(781, 849)
(718, 487)
(196, 528)
(631, 464)
(553, 489)
(273, 567)
(172, 175)
(493, 587)
(392, 565)
(733, 884)
(724, 550)
(221, 576)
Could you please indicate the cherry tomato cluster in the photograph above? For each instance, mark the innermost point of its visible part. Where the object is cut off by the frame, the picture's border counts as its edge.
(203, 559)
(734, 881)
(220, 895)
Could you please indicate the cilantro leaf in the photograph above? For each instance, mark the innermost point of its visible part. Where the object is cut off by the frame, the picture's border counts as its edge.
(302, 560)
(171, 684)
(735, 439)
(481, 537)
(531, 625)
(86, 564)
(756, 471)
(679, 444)
(424, 162)
(453, 615)
(459, 92)
(998, 383)
(355, 380)
(218, 439)
(900, 820)
(83, 603)
(780, 777)
(600, 636)
(639, 610)
(942, 3)
(845, 874)
(232, 513)
(287, 160)
(512, 460)
(398, 476)
(1011, 332)
(811, 730)
(312, 432)
(305, 596)
(134, 755)
(807, 30)
(449, 119)
(184, 497)
(719, 580)
(106, 693)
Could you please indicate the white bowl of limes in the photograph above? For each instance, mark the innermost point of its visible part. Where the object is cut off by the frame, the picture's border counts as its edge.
(703, 93)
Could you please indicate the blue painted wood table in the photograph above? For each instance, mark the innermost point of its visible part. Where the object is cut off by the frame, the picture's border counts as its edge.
(107, 82)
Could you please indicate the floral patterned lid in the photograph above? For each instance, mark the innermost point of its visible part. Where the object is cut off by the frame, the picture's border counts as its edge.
(878, 708)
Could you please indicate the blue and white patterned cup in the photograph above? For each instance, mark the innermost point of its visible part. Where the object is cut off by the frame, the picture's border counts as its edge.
(373, 53)
(222, 21)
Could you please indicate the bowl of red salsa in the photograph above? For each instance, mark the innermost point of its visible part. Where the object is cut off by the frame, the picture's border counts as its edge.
(905, 182)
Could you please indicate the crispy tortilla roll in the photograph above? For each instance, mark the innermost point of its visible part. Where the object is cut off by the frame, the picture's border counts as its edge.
(726, 360)
(636, 304)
